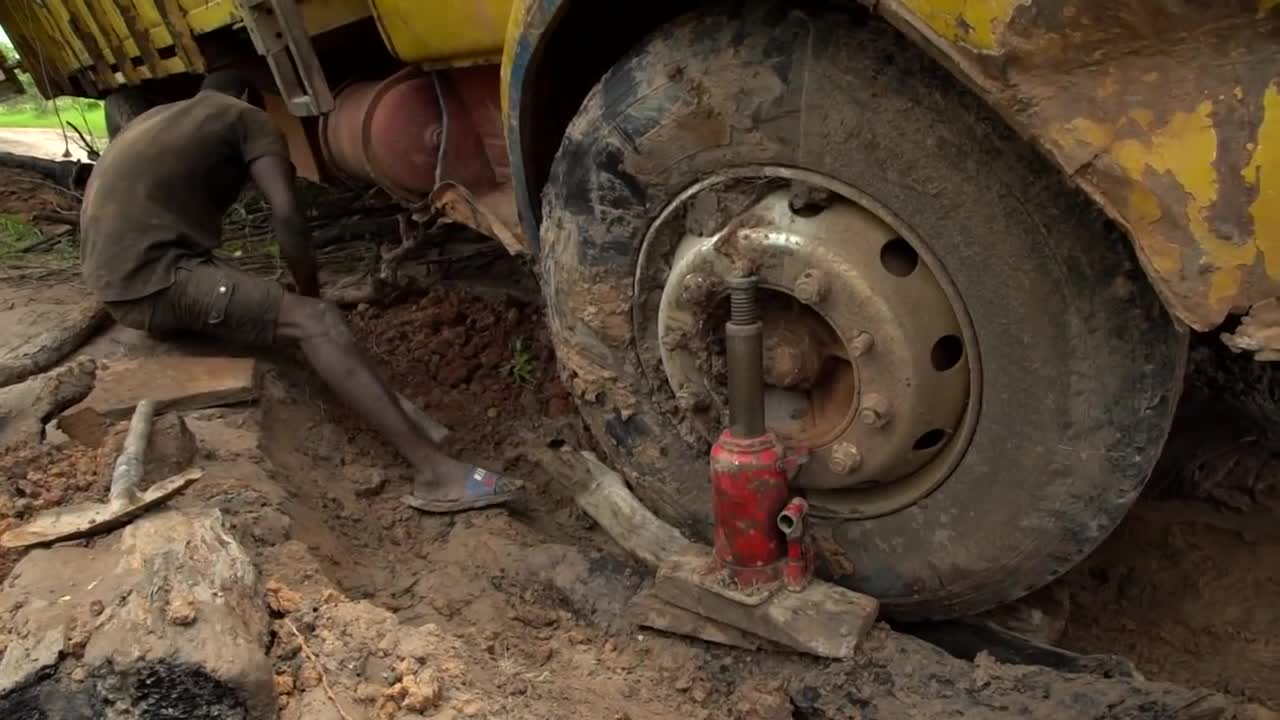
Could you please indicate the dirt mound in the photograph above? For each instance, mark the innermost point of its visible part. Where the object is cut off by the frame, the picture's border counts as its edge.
(35, 478)
(1190, 593)
(482, 365)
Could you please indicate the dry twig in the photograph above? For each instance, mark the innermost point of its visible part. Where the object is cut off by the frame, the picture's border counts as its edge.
(324, 678)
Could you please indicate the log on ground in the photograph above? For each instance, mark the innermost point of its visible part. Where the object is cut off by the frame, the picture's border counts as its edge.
(27, 407)
(164, 619)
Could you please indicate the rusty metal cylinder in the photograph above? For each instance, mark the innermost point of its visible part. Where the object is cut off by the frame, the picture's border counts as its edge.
(744, 348)
(387, 133)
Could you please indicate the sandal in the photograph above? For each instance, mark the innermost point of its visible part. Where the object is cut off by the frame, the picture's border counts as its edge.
(484, 489)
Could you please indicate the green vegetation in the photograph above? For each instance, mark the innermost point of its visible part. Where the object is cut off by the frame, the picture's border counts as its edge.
(32, 111)
(16, 235)
(521, 361)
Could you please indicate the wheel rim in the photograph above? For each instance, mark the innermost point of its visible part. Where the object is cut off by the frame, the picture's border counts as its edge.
(871, 359)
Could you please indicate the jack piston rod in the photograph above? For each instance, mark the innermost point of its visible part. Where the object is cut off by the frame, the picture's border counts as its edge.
(744, 347)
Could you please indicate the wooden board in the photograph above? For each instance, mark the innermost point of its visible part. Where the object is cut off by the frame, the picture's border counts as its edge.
(824, 619)
(174, 382)
(648, 610)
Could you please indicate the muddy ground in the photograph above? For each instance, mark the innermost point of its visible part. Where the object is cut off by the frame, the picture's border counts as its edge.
(383, 612)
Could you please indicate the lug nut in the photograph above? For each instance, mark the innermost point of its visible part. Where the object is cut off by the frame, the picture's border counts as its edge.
(874, 411)
(697, 289)
(862, 344)
(811, 287)
(845, 458)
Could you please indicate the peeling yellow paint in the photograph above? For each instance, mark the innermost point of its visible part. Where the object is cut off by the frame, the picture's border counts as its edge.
(1144, 210)
(1143, 117)
(1266, 161)
(975, 24)
(1183, 149)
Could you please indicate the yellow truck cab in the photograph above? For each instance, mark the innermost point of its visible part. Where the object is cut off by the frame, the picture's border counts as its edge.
(983, 228)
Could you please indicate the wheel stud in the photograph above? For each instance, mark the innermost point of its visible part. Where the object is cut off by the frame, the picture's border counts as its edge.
(862, 344)
(874, 411)
(811, 287)
(845, 458)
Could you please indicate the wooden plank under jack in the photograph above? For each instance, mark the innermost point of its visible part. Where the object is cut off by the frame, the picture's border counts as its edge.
(646, 609)
(823, 619)
(174, 382)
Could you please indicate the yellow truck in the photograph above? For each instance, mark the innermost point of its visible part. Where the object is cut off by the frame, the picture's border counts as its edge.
(984, 227)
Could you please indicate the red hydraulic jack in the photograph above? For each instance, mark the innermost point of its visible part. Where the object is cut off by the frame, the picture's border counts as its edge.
(760, 538)
(733, 593)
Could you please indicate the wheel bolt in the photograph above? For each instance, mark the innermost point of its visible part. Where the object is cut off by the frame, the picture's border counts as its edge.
(862, 344)
(811, 287)
(845, 458)
(874, 411)
(697, 289)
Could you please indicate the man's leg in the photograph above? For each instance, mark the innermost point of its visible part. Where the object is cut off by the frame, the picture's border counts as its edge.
(324, 338)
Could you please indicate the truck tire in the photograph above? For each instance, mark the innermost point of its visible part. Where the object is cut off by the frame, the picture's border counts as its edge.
(122, 106)
(1073, 365)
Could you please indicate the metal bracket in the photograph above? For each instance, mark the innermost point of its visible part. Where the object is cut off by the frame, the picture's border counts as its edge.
(280, 36)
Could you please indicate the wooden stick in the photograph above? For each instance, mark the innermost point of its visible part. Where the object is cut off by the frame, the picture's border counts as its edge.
(128, 468)
(604, 496)
(324, 678)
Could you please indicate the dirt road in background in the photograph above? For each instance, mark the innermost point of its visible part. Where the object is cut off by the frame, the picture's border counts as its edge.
(40, 142)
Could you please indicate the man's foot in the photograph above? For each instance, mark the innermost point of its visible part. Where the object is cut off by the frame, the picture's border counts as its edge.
(459, 487)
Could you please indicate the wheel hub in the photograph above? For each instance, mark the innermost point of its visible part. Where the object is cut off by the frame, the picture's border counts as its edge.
(868, 359)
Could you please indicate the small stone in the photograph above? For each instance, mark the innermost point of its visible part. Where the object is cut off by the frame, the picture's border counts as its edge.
(369, 483)
(281, 599)
(96, 607)
(492, 412)
(308, 676)
(368, 692)
(684, 682)
(181, 610)
(283, 683)
(700, 693)
(423, 692)
(80, 674)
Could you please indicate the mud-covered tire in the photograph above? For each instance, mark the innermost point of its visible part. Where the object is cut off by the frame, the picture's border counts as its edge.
(122, 106)
(1080, 362)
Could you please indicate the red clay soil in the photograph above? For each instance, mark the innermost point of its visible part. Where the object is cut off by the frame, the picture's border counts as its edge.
(483, 366)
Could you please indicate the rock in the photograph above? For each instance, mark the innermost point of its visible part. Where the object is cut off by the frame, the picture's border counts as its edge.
(145, 654)
(181, 609)
(85, 426)
(171, 450)
(366, 481)
(281, 599)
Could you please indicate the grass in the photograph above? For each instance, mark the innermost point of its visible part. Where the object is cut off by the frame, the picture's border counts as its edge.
(16, 234)
(521, 361)
(24, 116)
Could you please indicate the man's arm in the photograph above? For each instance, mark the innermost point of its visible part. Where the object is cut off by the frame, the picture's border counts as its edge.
(274, 177)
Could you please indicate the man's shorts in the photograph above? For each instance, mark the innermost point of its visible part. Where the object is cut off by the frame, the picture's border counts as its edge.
(210, 298)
